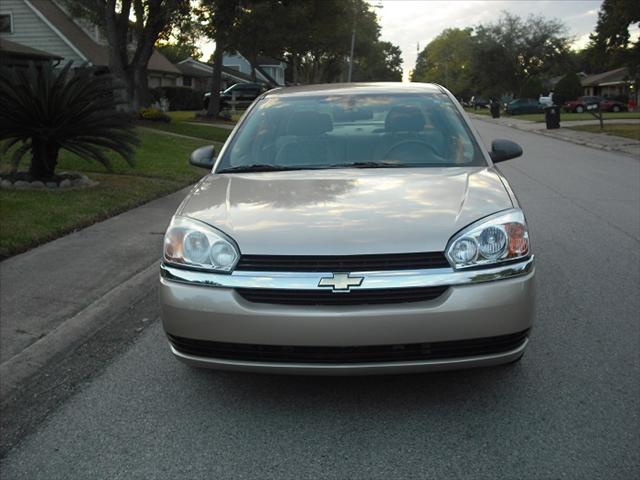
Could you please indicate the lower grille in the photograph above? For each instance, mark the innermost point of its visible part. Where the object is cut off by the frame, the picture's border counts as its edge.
(327, 297)
(359, 354)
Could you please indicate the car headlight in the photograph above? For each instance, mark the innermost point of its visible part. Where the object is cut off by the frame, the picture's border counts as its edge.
(498, 238)
(191, 243)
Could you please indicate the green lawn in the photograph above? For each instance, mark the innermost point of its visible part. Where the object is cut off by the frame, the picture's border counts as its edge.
(627, 130)
(204, 131)
(29, 218)
(480, 111)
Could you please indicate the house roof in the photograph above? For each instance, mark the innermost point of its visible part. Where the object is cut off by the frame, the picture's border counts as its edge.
(268, 61)
(16, 50)
(192, 70)
(92, 51)
(619, 75)
(196, 68)
(269, 78)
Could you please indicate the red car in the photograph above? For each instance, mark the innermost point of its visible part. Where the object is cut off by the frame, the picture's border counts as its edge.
(606, 104)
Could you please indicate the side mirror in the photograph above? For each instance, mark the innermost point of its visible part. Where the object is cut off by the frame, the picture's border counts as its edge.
(203, 157)
(502, 150)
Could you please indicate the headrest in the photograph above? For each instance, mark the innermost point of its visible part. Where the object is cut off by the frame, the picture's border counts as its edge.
(309, 123)
(404, 119)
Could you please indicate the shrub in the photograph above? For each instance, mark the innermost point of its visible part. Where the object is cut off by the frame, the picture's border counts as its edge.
(567, 88)
(532, 88)
(154, 115)
(44, 110)
(180, 98)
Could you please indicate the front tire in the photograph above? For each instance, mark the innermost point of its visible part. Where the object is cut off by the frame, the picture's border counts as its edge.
(616, 108)
(579, 109)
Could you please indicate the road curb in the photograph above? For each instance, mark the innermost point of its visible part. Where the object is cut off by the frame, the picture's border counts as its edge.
(71, 333)
(627, 149)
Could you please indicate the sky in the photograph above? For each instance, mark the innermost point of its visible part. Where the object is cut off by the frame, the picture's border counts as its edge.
(407, 23)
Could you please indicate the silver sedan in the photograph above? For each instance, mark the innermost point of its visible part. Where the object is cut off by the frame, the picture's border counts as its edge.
(350, 229)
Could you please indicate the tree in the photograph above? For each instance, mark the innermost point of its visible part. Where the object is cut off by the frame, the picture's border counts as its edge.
(610, 44)
(45, 110)
(506, 54)
(532, 87)
(176, 52)
(258, 31)
(383, 63)
(567, 88)
(446, 60)
(218, 19)
(132, 28)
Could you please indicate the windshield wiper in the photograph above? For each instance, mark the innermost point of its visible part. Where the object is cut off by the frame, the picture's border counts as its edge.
(257, 167)
(368, 165)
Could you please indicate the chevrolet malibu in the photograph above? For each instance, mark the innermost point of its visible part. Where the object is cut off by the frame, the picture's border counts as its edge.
(350, 229)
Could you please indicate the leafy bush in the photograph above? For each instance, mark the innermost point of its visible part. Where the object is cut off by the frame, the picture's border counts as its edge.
(568, 88)
(532, 88)
(180, 98)
(44, 110)
(154, 114)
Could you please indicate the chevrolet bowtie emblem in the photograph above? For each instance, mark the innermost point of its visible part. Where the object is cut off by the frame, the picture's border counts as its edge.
(340, 282)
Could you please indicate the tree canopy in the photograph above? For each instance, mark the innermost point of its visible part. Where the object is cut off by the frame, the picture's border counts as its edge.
(510, 55)
(447, 60)
(610, 45)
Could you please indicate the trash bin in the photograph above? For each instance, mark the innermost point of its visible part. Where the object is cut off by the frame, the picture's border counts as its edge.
(552, 117)
(495, 109)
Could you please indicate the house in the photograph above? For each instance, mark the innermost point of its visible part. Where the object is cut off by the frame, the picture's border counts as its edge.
(550, 84)
(44, 26)
(269, 70)
(16, 55)
(198, 75)
(611, 84)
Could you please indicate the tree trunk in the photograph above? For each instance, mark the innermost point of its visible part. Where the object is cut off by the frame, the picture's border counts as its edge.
(213, 109)
(140, 96)
(44, 158)
(294, 67)
(252, 65)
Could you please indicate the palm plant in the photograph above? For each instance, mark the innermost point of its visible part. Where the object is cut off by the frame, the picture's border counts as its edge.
(44, 110)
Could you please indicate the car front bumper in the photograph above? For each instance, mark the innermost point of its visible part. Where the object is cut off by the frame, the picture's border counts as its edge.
(207, 309)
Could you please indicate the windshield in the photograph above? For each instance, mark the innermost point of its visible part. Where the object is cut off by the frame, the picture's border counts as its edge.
(368, 131)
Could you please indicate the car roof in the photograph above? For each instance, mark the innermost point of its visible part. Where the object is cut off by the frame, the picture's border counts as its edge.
(354, 88)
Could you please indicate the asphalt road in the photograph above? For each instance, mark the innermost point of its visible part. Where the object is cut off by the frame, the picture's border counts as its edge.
(570, 409)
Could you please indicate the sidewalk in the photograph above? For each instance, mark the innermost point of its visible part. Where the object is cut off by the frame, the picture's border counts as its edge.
(595, 140)
(58, 294)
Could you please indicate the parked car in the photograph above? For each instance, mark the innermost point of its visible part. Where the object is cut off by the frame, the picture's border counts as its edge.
(245, 93)
(606, 105)
(386, 241)
(521, 106)
(479, 102)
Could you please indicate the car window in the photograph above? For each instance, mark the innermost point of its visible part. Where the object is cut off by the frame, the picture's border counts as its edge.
(332, 131)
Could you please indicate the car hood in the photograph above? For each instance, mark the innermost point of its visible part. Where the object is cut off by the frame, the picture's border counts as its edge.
(346, 211)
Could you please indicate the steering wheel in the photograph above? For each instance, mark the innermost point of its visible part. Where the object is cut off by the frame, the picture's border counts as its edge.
(407, 143)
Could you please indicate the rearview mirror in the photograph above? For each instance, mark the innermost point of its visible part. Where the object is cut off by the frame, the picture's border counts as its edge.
(203, 157)
(502, 150)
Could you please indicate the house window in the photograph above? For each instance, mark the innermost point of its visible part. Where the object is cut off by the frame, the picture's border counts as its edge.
(6, 23)
(187, 81)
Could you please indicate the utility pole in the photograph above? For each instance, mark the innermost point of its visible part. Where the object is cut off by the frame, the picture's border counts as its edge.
(353, 43)
(353, 37)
